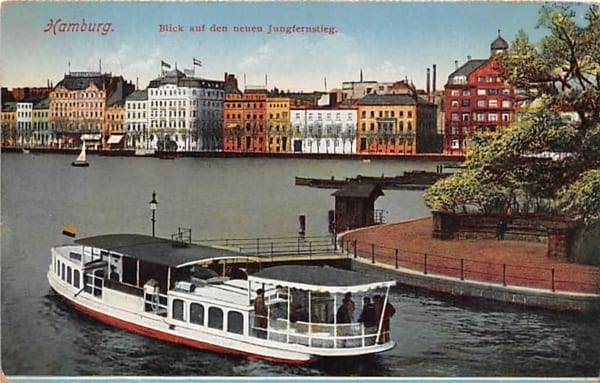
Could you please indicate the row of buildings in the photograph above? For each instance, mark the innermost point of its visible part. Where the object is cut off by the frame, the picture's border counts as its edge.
(185, 113)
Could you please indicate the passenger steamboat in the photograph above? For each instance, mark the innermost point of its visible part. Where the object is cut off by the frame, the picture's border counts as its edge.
(172, 290)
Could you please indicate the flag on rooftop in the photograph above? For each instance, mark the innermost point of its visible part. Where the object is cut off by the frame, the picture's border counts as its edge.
(197, 62)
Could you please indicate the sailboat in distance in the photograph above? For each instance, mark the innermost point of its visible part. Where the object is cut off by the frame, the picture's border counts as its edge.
(81, 160)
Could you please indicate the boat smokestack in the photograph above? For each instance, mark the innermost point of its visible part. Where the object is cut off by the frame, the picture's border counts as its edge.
(428, 81)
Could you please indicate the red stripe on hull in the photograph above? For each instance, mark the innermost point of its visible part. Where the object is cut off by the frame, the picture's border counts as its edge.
(174, 338)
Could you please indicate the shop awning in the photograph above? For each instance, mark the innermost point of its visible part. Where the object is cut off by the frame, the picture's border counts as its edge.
(91, 137)
(115, 139)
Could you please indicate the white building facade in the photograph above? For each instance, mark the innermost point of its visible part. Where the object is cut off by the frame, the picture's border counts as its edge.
(185, 113)
(24, 124)
(136, 120)
(324, 130)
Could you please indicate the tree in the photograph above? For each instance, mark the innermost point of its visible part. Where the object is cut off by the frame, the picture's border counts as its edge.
(541, 163)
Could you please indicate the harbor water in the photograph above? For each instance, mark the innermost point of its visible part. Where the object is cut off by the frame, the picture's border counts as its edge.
(436, 336)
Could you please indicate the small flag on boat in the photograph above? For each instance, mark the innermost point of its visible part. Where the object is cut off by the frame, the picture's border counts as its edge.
(197, 62)
(165, 65)
(69, 230)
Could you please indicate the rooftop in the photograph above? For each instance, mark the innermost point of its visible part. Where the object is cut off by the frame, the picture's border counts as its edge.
(392, 99)
(156, 250)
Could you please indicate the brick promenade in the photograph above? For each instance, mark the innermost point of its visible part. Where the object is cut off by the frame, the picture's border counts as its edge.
(514, 263)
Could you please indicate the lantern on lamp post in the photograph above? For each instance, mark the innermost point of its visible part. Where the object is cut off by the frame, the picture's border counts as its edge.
(153, 206)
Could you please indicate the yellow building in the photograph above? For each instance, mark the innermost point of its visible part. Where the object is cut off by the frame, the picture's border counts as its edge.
(114, 126)
(40, 119)
(279, 133)
(395, 124)
(9, 124)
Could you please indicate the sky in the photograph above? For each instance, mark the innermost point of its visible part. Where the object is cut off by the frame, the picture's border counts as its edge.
(388, 41)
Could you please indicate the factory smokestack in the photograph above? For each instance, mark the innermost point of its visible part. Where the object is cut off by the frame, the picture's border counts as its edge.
(434, 77)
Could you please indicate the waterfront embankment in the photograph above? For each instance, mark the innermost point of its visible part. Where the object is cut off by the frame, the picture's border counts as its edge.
(507, 271)
(452, 160)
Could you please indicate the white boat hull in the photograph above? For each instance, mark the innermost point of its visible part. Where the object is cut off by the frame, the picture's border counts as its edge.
(127, 311)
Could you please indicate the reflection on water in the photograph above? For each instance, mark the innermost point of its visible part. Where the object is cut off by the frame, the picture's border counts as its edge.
(217, 198)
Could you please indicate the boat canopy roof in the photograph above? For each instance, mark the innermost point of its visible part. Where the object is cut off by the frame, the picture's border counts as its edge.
(160, 251)
(319, 278)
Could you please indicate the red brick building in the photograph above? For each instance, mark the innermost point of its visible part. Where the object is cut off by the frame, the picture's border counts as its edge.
(476, 99)
(245, 121)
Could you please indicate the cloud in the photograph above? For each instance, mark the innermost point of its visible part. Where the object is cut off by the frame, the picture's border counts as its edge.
(305, 62)
(127, 61)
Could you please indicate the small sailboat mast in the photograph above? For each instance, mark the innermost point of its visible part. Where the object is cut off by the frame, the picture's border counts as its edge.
(82, 158)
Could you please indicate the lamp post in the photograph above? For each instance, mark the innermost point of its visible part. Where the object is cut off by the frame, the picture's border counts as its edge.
(153, 205)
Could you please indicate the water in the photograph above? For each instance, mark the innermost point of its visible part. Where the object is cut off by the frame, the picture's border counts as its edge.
(220, 198)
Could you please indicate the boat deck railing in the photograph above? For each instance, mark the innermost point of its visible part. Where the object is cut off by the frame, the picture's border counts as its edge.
(277, 246)
(321, 335)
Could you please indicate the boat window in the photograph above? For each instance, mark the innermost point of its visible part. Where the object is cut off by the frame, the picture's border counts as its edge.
(57, 268)
(215, 318)
(235, 322)
(177, 309)
(76, 278)
(62, 271)
(197, 313)
(68, 274)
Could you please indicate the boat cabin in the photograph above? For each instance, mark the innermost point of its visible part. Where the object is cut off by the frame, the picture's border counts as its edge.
(154, 282)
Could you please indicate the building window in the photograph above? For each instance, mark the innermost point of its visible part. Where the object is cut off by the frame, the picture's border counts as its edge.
(480, 103)
(493, 103)
(215, 318)
(454, 103)
(481, 92)
(505, 117)
(197, 313)
(466, 92)
(493, 117)
(505, 103)
(465, 116)
(177, 309)
(76, 278)
(466, 102)
(454, 92)
(454, 116)
(492, 92)
(235, 322)
(455, 144)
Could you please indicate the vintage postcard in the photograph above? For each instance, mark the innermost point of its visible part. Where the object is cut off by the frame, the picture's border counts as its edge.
(299, 191)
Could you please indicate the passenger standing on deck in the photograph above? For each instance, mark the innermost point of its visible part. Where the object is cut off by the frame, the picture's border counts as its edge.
(368, 316)
(387, 313)
(344, 318)
(260, 314)
(351, 305)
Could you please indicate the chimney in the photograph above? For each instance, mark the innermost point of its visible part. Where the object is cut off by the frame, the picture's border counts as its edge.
(361, 76)
(455, 64)
(434, 77)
